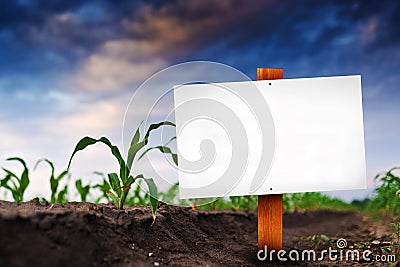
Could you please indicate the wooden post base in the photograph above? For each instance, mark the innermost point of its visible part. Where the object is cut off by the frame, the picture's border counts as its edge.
(270, 222)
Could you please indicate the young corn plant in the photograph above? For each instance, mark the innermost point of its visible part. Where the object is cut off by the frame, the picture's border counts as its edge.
(386, 194)
(82, 190)
(56, 196)
(14, 183)
(138, 198)
(103, 187)
(171, 195)
(121, 182)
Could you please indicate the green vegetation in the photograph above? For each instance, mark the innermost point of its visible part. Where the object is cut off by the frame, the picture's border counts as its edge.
(56, 196)
(386, 195)
(318, 241)
(312, 201)
(395, 244)
(386, 202)
(103, 187)
(291, 202)
(82, 190)
(122, 187)
(121, 182)
(14, 183)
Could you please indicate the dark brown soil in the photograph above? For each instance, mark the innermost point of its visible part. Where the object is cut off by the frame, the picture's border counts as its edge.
(83, 234)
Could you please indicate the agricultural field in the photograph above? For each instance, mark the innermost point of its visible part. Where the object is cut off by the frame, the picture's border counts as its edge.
(118, 224)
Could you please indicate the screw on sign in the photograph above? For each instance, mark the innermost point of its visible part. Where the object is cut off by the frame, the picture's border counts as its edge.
(270, 137)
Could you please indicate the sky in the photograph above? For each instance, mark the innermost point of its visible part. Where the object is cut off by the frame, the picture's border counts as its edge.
(69, 68)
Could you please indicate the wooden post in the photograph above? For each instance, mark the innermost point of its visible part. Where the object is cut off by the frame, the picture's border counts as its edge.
(270, 206)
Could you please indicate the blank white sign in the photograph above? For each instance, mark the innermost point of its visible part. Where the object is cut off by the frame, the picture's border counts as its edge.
(270, 137)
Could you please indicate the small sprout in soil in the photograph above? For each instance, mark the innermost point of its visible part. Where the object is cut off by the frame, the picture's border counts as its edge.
(14, 183)
(362, 245)
(316, 241)
(396, 236)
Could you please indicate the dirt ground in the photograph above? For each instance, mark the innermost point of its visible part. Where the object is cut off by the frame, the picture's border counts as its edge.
(84, 234)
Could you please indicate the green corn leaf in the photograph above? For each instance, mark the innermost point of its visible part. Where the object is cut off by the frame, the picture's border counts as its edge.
(155, 126)
(114, 198)
(153, 194)
(8, 178)
(82, 190)
(23, 181)
(87, 141)
(48, 162)
(14, 191)
(10, 173)
(105, 186)
(137, 146)
(163, 149)
(170, 140)
(62, 175)
(325, 238)
(62, 195)
(114, 183)
(133, 150)
(78, 185)
(53, 187)
(54, 181)
(4, 181)
(125, 190)
(19, 160)
(136, 136)
(172, 192)
(137, 191)
(129, 181)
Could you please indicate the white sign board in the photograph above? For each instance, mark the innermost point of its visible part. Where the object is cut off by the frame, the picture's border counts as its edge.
(270, 137)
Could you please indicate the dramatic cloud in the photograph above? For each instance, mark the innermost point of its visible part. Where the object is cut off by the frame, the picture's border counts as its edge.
(68, 68)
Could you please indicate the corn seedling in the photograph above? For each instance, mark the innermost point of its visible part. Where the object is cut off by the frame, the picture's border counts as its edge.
(163, 149)
(121, 182)
(386, 194)
(171, 195)
(316, 241)
(82, 190)
(14, 183)
(138, 198)
(56, 196)
(103, 187)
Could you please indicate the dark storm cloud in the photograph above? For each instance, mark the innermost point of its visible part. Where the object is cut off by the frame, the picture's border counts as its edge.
(36, 36)
(32, 12)
(45, 36)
